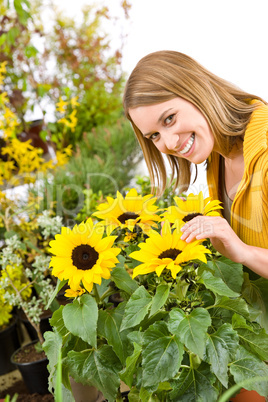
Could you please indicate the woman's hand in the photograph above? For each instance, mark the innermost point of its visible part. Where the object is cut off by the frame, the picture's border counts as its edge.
(220, 233)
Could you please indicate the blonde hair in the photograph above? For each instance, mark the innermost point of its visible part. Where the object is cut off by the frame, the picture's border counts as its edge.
(164, 75)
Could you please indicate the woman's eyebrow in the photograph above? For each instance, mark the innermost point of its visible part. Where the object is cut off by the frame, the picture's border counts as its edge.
(159, 119)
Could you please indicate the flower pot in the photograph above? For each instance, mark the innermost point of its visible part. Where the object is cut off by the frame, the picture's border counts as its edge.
(248, 396)
(85, 393)
(9, 342)
(34, 373)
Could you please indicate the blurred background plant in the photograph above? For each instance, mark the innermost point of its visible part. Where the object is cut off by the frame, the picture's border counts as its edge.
(60, 94)
(47, 64)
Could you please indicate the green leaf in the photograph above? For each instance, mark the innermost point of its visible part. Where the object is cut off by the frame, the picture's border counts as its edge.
(123, 280)
(194, 386)
(190, 328)
(56, 321)
(247, 366)
(238, 306)
(221, 348)
(52, 346)
(30, 51)
(255, 342)
(161, 357)
(12, 34)
(230, 272)
(3, 38)
(21, 11)
(256, 293)
(216, 285)
(109, 323)
(160, 297)
(137, 307)
(58, 287)
(80, 318)
(127, 374)
(99, 368)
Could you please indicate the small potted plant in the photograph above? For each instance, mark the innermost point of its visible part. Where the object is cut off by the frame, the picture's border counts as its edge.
(186, 328)
(26, 285)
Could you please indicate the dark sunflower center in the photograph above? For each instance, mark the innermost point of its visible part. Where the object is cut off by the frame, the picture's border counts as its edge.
(170, 253)
(127, 215)
(84, 256)
(189, 217)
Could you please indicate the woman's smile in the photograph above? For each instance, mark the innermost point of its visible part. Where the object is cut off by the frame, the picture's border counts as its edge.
(185, 149)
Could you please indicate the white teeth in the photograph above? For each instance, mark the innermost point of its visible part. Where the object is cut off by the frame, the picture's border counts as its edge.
(188, 146)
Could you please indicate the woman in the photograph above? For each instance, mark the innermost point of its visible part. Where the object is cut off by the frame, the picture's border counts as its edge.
(178, 108)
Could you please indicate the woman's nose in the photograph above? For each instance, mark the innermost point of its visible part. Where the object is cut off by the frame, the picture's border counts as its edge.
(171, 141)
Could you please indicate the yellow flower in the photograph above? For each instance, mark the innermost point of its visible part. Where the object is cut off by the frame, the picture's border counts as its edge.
(133, 210)
(61, 105)
(74, 102)
(5, 312)
(70, 123)
(3, 67)
(3, 98)
(74, 293)
(83, 255)
(193, 206)
(63, 156)
(166, 251)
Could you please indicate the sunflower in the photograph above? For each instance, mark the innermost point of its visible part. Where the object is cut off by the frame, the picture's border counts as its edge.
(194, 205)
(129, 212)
(166, 251)
(83, 255)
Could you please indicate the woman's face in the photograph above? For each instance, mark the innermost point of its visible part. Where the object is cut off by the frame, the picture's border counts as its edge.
(176, 127)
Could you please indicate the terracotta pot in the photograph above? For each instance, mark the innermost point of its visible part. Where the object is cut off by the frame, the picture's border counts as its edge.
(34, 373)
(248, 396)
(84, 393)
(9, 342)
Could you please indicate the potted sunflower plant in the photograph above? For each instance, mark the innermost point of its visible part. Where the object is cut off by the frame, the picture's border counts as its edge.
(185, 328)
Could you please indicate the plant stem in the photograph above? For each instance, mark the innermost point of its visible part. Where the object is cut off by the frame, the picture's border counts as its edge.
(108, 293)
(96, 293)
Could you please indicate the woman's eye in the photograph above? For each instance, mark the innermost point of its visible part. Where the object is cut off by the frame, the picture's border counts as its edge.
(169, 119)
(153, 136)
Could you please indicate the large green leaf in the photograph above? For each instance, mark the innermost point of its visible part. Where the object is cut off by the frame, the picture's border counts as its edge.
(247, 366)
(160, 297)
(230, 272)
(194, 386)
(238, 306)
(109, 323)
(221, 348)
(127, 374)
(99, 368)
(136, 309)
(254, 341)
(161, 357)
(80, 318)
(190, 328)
(123, 280)
(216, 285)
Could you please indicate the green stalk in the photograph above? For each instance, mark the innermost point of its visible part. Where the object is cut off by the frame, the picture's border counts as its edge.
(96, 293)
